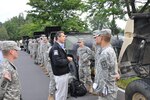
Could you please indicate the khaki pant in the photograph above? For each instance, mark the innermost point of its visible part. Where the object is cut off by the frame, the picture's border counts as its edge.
(61, 87)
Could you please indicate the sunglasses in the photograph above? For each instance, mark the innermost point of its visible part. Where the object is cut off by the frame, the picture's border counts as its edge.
(94, 36)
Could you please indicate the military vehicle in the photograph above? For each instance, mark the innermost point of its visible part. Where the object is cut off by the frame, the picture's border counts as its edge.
(50, 32)
(134, 59)
(38, 34)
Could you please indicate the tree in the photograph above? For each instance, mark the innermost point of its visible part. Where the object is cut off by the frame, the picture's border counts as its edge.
(12, 26)
(59, 12)
(137, 6)
(28, 29)
(3, 33)
(103, 13)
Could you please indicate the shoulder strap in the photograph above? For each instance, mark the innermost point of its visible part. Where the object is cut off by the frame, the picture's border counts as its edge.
(12, 66)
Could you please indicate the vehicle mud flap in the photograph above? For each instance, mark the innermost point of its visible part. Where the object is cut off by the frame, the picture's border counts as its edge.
(141, 87)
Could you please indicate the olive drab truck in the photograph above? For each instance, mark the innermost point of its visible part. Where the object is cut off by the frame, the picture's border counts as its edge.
(134, 57)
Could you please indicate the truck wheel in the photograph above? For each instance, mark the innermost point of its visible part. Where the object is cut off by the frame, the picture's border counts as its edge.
(138, 90)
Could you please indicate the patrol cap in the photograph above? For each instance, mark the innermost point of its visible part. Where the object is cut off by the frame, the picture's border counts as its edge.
(43, 35)
(10, 45)
(96, 33)
(80, 40)
(101, 32)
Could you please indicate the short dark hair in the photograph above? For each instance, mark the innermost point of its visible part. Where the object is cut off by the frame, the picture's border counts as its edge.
(58, 34)
(5, 52)
(106, 37)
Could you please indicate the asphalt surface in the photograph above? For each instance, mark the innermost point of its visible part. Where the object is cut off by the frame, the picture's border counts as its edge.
(34, 82)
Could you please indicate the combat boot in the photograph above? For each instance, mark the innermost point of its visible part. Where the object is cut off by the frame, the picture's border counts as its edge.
(51, 97)
(41, 65)
(90, 89)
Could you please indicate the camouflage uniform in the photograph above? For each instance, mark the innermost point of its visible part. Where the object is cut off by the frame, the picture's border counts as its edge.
(52, 84)
(45, 48)
(37, 59)
(1, 55)
(41, 57)
(35, 47)
(85, 55)
(30, 47)
(105, 64)
(13, 90)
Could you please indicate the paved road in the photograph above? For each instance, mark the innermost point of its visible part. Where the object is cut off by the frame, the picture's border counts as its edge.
(35, 84)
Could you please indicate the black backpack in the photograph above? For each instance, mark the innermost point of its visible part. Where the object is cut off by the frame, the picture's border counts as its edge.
(77, 88)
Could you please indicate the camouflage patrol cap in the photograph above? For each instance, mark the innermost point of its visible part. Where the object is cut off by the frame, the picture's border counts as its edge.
(105, 32)
(80, 40)
(96, 33)
(10, 45)
(101, 32)
(43, 35)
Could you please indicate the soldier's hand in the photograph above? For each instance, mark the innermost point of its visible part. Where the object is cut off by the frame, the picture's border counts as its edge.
(117, 76)
(7, 75)
(69, 58)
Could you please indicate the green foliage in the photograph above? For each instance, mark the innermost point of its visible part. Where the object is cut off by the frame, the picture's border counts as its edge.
(67, 14)
(58, 12)
(122, 83)
(28, 29)
(74, 24)
(12, 26)
(103, 13)
(3, 33)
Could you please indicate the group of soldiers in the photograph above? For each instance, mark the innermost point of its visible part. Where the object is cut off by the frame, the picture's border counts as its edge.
(39, 51)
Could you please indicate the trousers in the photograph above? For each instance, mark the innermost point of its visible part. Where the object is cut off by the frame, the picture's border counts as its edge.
(61, 87)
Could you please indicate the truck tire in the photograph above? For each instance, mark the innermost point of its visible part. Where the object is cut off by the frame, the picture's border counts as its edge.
(138, 90)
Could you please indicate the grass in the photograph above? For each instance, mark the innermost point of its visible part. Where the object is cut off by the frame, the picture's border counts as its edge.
(122, 83)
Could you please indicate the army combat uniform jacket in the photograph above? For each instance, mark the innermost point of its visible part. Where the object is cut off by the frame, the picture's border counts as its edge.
(105, 65)
(13, 91)
(85, 54)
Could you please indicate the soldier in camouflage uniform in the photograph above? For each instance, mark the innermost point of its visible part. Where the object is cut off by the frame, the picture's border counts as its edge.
(37, 59)
(52, 84)
(85, 54)
(45, 48)
(105, 67)
(10, 52)
(34, 48)
(41, 55)
(30, 47)
(1, 55)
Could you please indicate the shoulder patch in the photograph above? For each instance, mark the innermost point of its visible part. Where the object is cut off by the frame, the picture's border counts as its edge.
(104, 65)
(55, 52)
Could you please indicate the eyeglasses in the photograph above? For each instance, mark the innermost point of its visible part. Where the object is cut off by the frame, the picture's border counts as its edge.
(95, 36)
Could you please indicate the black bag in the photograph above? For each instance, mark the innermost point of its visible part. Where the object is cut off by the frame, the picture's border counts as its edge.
(77, 88)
